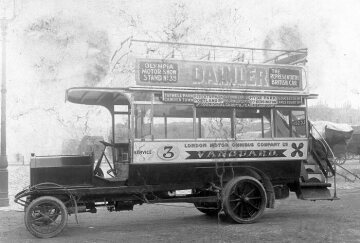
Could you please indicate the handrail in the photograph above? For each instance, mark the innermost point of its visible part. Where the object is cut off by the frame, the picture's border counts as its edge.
(283, 54)
(217, 46)
(332, 153)
(342, 175)
(323, 140)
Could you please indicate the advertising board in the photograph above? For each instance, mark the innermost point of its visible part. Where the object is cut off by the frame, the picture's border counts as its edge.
(219, 150)
(205, 74)
(230, 100)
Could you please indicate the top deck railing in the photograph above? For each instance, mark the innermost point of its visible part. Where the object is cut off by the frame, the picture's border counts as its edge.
(219, 53)
(124, 64)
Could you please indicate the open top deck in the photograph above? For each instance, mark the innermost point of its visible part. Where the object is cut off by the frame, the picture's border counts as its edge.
(189, 95)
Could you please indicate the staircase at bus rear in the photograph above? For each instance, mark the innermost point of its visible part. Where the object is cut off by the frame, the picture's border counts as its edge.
(314, 173)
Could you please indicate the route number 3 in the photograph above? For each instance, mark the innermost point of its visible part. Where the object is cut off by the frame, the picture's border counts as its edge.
(168, 152)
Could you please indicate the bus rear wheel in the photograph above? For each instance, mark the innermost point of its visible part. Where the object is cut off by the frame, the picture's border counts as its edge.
(244, 199)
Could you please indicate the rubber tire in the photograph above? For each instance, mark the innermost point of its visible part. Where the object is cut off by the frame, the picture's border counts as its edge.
(226, 193)
(41, 200)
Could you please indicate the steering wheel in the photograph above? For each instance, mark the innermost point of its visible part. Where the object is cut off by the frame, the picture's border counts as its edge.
(105, 143)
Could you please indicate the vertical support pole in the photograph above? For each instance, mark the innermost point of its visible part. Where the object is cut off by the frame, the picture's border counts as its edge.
(273, 124)
(4, 175)
(194, 123)
(152, 117)
(132, 128)
(233, 123)
(165, 126)
(262, 126)
(128, 121)
(307, 128)
(290, 123)
(142, 113)
(113, 132)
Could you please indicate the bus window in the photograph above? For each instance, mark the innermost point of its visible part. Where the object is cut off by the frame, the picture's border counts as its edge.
(121, 129)
(121, 123)
(173, 121)
(282, 123)
(143, 121)
(214, 122)
(168, 121)
(252, 123)
(289, 123)
(298, 122)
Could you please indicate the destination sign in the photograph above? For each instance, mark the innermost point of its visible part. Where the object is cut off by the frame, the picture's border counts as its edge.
(233, 100)
(201, 74)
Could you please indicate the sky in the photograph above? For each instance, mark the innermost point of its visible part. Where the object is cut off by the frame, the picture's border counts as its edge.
(328, 28)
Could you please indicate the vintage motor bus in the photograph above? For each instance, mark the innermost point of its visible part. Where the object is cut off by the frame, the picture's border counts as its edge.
(235, 135)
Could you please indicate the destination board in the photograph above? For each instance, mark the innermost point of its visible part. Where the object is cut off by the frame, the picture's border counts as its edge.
(206, 74)
(233, 100)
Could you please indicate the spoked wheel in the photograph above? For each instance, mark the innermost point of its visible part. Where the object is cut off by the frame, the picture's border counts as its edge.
(46, 217)
(341, 159)
(244, 199)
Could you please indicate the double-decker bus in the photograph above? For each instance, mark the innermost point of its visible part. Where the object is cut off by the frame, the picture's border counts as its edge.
(234, 134)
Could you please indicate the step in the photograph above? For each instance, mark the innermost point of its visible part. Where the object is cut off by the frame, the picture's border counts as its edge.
(315, 177)
(314, 193)
(314, 184)
(311, 168)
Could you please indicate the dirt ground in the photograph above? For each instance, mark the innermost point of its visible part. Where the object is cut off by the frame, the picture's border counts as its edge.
(292, 220)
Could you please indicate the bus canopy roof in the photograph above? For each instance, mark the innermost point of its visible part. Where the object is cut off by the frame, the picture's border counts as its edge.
(97, 96)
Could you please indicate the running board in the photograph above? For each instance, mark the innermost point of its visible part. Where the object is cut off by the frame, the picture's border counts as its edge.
(184, 199)
(315, 191)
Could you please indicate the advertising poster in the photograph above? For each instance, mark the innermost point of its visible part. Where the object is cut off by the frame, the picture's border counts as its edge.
(219, 150)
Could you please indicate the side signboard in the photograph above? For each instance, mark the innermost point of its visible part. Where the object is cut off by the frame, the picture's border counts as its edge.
(179, 73)
(212, 151)
(230, 100)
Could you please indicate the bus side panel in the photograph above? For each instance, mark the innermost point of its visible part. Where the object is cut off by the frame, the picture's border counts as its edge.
(200, 173)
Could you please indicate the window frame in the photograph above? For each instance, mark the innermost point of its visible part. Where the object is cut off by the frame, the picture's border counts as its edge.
(291, 109)
(261, 117)
(196, 125)
(152, 138)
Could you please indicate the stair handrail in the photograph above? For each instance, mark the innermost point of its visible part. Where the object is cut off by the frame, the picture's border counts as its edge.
(322, 140)
(328, 148)
(335, 165)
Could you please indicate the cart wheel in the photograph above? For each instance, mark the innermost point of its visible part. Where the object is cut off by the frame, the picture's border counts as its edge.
(45, 217)
(244, 199)
(340, 160)
(350, 155)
